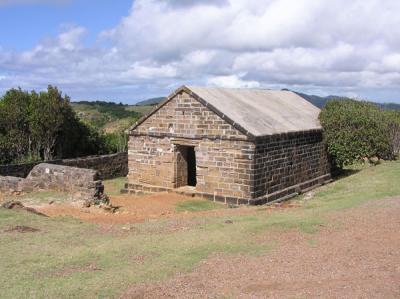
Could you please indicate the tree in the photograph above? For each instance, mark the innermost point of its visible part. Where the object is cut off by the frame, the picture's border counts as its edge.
(48, 110)
(354, 130)
(14, 125)
(43, 126)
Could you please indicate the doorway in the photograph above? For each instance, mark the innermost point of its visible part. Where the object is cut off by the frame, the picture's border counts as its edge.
(186, 166)
(191, 166)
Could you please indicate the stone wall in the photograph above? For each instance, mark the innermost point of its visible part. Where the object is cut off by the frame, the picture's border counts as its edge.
(80, 183)
(286, 160)
(223, 167)
(108, 166)
(150, 161)
(223, 154)
(10, 184)
(185, 117)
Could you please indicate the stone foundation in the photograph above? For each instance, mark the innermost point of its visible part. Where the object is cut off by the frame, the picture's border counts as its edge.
(281, 195)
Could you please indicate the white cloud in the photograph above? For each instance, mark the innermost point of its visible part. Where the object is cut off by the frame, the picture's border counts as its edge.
(232, 81)
(314, 46)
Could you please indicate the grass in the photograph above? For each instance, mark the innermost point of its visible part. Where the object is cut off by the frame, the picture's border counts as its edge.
(68, 258)
(197, 205)
(365, 184)
(114, 186)
(40, 197)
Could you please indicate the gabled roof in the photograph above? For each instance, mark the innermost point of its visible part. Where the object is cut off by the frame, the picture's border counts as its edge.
(255, 112)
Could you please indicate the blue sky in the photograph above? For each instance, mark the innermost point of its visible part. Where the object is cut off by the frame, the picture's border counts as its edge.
(131, 50)
(24, 25)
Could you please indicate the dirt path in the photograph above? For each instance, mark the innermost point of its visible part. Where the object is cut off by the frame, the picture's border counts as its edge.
(356, 255)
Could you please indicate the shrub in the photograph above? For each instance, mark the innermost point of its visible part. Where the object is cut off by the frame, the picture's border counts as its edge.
(116, 142)
(356, 130)
(393, 131)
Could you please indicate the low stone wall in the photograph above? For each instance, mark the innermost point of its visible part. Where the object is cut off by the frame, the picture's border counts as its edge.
(107, 166)
(10, 184)
(80, 183)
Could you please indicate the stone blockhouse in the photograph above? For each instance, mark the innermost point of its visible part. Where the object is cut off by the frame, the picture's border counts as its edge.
(241, 146)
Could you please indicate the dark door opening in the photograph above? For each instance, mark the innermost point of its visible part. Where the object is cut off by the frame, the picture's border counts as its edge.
(185, 166)
(191, 166)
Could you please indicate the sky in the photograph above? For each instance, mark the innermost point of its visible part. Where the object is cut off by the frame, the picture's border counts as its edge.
(124, 50)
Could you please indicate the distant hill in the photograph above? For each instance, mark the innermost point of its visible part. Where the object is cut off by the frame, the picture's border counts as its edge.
(113, 117)
(106, 116)
(317, 100)
(320, 102)
(151, 102)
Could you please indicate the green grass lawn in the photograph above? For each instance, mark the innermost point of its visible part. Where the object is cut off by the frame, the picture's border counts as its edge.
(68, 258)
(40, 197)
(197, 205)
(114, 186)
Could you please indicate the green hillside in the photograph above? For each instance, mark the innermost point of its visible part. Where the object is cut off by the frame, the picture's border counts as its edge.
(108, 116)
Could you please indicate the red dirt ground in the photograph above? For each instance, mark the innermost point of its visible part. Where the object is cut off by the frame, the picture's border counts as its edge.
(138, 209)
(356, 255)
(132, 209)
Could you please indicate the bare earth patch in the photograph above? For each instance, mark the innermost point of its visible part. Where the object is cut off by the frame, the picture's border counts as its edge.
(131, 209)
(354, 256)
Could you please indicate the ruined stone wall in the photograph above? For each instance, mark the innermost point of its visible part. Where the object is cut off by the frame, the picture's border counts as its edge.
(10, 184)
(80, 183)
(286, 160)
(108, 166)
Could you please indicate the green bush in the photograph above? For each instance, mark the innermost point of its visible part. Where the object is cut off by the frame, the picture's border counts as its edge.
(356, 130)
(116, 142)
(43, 126)
(393, 131)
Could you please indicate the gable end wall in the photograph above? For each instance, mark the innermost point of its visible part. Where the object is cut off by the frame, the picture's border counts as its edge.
(185, 117)
(224, 156)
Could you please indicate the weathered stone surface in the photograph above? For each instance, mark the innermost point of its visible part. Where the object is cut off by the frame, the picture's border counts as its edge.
(107, 166)
(11, 185)
(78, 182)
(286, 160)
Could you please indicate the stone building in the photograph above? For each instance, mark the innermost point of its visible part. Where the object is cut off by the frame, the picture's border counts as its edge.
(241, 146)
